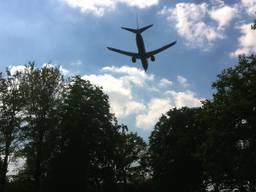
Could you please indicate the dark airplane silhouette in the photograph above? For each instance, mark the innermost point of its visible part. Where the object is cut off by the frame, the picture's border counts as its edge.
(142, 54)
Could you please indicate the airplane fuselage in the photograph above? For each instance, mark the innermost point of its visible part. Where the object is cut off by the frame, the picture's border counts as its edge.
(142, 51)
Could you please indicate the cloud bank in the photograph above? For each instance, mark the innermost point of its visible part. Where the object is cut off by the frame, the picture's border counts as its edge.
(134, 94)
(200, 24)
(100, 7)
(247, 41)
(124, 86)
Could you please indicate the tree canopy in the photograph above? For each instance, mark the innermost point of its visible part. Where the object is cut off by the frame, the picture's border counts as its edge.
(211, 147)
(66, 133)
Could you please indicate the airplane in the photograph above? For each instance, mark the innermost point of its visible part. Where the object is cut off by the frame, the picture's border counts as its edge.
(142, 54)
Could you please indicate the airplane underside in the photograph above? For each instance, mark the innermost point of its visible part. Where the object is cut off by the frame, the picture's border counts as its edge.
(142, 54)
(145, 65)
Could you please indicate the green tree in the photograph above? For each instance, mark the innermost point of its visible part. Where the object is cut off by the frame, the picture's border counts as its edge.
(41, 89)
(10, 120)
(175, 151)
(130, 161)
(87, 140)
(231, 146)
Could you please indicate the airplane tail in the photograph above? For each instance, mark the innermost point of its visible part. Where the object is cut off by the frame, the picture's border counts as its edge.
(140, 30)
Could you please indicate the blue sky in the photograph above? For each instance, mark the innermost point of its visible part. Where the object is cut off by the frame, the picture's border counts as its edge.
(75, 34)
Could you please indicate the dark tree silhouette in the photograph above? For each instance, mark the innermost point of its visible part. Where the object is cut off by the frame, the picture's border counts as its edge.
(10, 119)
(231, 148)
(68, 137)
(213, 145)
(130, 158)
(88, 132)
(175, 151)
(40, 88)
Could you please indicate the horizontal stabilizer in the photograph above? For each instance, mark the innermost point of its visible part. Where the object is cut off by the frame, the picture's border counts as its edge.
(140, 30)
(131, 30)
(145, 28)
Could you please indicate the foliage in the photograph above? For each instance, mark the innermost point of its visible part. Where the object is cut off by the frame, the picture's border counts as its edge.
(86, 143)
(130, 158)
(231, 149)
(212, 146)
(40, 89)
(175, 150)
(10, 121)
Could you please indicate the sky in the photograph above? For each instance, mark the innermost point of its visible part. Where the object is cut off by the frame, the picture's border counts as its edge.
(74, 34)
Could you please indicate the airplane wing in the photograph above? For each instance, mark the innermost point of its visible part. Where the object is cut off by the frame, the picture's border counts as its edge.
(130, 54)
(152, 53)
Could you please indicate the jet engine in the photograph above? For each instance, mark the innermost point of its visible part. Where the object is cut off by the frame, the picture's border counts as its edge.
(134, 59)
(152, 58)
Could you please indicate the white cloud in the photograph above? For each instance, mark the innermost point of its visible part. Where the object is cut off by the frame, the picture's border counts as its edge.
(99, 7)
(250, 6)
(165, 83)
(22, 68)
(186, 98)
(141, 4)
(110, 84)
(63, 70)
(155, 108)
(158, 106)
(131, 74)
(182, 81)
(123, 84)
(223, 15)
(118, 84)
(200, 24)
(17, 69)
(117, 90)
(134, 107)
(247, 41)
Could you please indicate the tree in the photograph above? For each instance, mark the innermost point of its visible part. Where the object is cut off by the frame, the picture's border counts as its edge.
(230, 148)
(40, 88)
(175, 151)
(87, 140)
(10, 120)
(130, 155)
